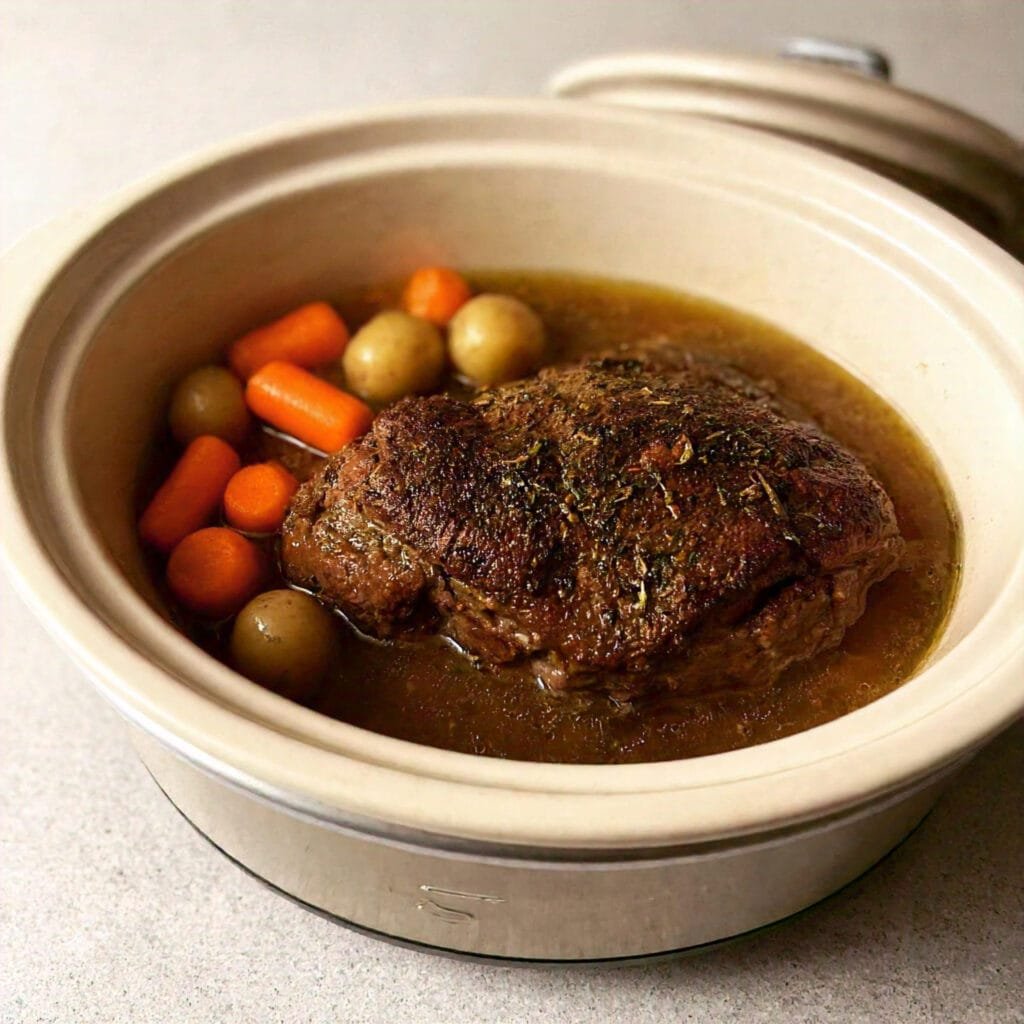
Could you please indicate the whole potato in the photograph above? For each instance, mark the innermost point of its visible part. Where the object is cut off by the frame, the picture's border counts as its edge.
(287, 641)
(495, 338)
(209, 400)
(393, 355)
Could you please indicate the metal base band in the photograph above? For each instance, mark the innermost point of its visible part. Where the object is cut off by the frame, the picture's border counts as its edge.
(455, 954)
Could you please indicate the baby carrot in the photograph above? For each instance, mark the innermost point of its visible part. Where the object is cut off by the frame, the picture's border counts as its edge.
(435, 293)
(257, 497)
(191, 494)
(215, 571)
(308, 336)
(307, 407)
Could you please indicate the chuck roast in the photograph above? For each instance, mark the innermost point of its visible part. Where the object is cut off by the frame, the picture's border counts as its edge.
(630, 524)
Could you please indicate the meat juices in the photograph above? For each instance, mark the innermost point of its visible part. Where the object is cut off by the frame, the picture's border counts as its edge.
(633, 525)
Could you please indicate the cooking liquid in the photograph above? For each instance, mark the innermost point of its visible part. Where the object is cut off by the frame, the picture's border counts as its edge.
(427, 692)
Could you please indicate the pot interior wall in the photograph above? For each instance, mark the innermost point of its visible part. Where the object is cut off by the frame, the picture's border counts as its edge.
(203, 271)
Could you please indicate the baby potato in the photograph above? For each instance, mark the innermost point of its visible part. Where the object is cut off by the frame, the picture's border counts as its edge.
(495, 338)
(393, 355)
(209, 401)
(285, 640)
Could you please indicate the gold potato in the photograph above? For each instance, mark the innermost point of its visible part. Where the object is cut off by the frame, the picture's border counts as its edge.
(209, 401)
(496, 338)
(287, 641)
(394, 355)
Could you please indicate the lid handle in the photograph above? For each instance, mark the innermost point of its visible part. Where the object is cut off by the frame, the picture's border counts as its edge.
(862, 59)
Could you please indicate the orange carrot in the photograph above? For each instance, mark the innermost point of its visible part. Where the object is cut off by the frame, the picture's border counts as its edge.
(308, 336)
(257, 497)
(435, 293)
(308, 408)
(191, 494)
(215, 571)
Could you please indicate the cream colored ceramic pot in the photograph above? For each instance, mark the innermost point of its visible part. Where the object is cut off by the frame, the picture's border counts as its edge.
(448, 850)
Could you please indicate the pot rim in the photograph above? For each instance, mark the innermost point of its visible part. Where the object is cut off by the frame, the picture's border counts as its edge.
(338, 772)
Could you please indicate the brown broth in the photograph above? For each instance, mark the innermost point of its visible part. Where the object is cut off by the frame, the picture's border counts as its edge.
(426, 692)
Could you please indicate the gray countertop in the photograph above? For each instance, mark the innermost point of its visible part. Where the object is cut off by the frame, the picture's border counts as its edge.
(111, 907)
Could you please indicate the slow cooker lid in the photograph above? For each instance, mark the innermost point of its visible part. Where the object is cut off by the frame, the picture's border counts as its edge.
(836, 98)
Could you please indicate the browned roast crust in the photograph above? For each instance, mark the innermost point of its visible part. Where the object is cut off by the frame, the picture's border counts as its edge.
(629, 524)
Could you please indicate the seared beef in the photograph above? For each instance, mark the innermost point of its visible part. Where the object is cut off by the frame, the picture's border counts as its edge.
(629, 524)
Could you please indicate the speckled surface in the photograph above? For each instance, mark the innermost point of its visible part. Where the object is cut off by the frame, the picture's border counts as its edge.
(111, 907)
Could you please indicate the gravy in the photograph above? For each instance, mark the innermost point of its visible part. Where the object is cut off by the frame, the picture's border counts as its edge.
(426, 692)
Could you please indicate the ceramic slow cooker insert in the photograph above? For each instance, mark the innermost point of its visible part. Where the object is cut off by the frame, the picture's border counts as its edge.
(449, 851)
